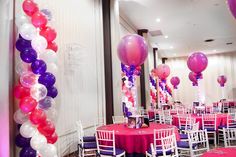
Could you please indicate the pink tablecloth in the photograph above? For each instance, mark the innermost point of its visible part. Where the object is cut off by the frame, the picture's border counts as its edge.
(221, 152)
(221, 119)
(135, 140)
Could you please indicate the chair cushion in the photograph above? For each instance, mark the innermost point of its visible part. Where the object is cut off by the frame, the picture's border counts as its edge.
(183, 136)
(184, 144)
(210, 129)
(159, 151)
(118, 152)
(90, 145)
(221, 126)
(89, 139)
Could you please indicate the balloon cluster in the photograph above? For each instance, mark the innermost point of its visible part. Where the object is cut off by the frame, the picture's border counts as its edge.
(36, 87)
(175, 81)
(165, 88)
(197, 63)
(128, 87)
(153, 89)
(222, 79)
(132, 52)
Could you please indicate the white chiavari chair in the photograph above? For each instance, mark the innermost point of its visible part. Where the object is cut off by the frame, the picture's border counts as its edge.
(209, 123)
(106, 144)
(229, 137)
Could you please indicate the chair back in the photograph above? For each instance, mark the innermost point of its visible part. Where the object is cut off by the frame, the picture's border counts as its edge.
(186, 122)
(169, 144)
(105, 142)
(160, 133)
(232, 110)
(80, 132)
(231, 120)
(195, 127)
(209, 122)
(229, 137)
(198, 142)
(118, 119)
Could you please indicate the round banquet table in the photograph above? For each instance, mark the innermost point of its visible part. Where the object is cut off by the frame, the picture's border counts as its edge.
(135, 140)
(221, 119)
(221, 152)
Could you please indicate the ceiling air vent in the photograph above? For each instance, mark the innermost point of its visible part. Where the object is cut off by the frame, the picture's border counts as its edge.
(156, 33)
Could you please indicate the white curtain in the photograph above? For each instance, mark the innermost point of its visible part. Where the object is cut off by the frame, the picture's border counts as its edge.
(209, 90)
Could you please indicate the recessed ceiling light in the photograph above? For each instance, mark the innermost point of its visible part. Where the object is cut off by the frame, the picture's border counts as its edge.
(214, 50)
(174, 54)
(158, 20)
(166, 36)
(171, 47)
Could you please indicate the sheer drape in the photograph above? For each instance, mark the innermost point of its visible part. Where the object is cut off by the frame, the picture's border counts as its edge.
(210, 91)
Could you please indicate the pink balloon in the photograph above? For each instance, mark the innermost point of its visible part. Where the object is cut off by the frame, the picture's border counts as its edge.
(132, 50)
(193, 77)
(222, 80)
(197, 62)
(175, 81)
(232, 7)
(162, 71)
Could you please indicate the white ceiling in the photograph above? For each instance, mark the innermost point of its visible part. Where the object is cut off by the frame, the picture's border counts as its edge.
(186, 22)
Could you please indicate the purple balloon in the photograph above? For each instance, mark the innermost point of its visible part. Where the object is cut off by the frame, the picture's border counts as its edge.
(193, 77)
(28, 152)
(232, 7)
(175, 81)
(21, 141)
(47, 79)
(29, 55)
(132, 50)
(197, 62)
(39, 67)
(22, 44)
(52, 91)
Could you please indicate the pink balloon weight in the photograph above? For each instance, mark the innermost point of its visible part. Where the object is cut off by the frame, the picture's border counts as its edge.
(222, 80)
(197, 62)
(232, 7)
(175, 81)
(132, 50)
(162, 71)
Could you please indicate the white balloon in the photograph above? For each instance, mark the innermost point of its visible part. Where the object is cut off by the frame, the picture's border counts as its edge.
(28, 31)
(21, 68)
(21, 19)
(49, 56)
(48, 150)
(52, 68)
(37, 141)
(39, 43)
(38, 91)
(28, 79)
(52, 113)
(20, 117)
(27, 130)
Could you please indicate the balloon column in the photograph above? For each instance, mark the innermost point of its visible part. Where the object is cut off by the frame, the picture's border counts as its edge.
(175, 82)
(197, 63)
(36, 87)
(222, 80)
(132, 52)
(232, 7)
(162, 72)
(153, 89)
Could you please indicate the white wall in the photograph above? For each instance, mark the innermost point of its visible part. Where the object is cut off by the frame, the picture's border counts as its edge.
(218, 64)
(81, 76)
(6, 63)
